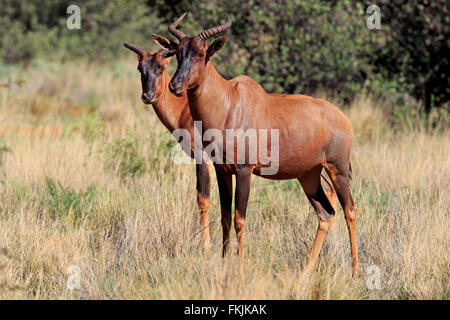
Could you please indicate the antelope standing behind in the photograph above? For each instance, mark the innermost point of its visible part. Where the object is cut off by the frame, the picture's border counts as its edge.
(313, 134)
(173, 112)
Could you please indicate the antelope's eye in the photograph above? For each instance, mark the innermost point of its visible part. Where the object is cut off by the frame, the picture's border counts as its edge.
(200, 55)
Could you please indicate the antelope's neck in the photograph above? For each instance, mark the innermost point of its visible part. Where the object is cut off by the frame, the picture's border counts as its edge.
(169, 107)
(210, 101)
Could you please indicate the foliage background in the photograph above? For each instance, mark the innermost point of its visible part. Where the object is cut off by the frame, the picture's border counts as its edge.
(287, 46)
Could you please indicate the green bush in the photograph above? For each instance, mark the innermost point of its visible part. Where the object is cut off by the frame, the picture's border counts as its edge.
(34, 27)
(90, 125)
(65, 202)
(123, 156)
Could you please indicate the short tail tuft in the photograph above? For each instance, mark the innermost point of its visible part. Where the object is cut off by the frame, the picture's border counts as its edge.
(350, 170)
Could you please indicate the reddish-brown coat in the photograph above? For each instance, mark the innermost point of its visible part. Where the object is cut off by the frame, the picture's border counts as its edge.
(313, 134)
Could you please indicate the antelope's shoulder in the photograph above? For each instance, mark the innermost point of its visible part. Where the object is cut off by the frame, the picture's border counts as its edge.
(243, 83)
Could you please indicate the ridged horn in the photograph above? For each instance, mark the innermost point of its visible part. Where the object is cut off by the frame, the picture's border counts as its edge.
(134, 48)
(173, 28)
(205, 35)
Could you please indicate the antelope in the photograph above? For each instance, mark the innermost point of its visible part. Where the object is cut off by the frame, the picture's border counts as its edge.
(173, 111)
(314, 134)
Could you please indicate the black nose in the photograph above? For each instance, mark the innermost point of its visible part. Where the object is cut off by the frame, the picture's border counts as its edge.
(175, 87)
(147, 98)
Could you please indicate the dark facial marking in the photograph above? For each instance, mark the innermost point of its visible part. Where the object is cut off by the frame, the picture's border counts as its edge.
(185, 56)
(150, 70)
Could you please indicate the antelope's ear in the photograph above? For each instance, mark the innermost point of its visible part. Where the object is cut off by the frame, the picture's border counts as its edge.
(165, 43)
(167, 54)
(215, 46)
(166, 57)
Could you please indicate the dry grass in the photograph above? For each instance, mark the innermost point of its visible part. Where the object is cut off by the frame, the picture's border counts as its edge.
(138, 237)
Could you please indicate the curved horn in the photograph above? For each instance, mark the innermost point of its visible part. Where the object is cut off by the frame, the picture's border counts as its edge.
(205, 35)
(173, 28)
(134, 48)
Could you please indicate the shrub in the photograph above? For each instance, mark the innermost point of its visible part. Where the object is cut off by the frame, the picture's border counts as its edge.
(90, 125)
(64, 202)
(39, 28)
(124, 157)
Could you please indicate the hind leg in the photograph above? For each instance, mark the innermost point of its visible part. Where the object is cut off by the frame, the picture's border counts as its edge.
(311, 184)
(340, 177)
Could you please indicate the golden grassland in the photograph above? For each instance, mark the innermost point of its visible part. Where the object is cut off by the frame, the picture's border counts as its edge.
(86, 180)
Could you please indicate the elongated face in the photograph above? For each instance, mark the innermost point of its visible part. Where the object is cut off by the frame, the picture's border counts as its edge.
(191, 57)
(151, 68)
(193, 54)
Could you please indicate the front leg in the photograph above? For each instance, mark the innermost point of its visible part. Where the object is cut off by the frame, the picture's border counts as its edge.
(203, 189)
(243, 180)
(225, 183)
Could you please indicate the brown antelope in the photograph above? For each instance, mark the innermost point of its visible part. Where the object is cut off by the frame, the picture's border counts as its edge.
(173, 112)
(313, 134)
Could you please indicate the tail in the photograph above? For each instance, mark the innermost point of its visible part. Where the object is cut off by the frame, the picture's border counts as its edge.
(350, 170)
(328, 188)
